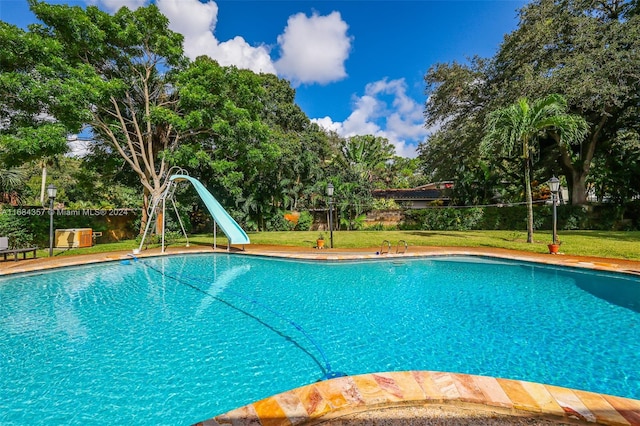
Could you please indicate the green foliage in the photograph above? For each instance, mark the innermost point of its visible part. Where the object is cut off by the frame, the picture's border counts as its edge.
(505, 218)
(587, 51)
(32, 143)
(613, 172)
(384, 204)
(304, 221)
(366, 155)
(374, 227)
(279, 223)
(445, 219)
(604, 217)
(12, 182)
(16, 228)
(112, 74)
(37, 97)
(353, 224)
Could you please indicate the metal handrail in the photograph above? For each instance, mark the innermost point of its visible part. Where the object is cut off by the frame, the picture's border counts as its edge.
(406, 247)
(388, 246)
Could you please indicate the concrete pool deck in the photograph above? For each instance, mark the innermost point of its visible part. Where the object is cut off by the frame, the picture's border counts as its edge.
(412, 397)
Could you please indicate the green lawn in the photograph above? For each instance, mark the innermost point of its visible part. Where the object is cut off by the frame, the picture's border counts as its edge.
(621, 245)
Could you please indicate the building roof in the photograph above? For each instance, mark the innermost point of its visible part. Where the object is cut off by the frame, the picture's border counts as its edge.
(409, 194)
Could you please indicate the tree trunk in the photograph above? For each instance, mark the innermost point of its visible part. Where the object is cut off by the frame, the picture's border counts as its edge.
(578, 187)
(145, 211)
(44, 183)
(576, 171)
(147, 203)
(576, 181)
(527, 184)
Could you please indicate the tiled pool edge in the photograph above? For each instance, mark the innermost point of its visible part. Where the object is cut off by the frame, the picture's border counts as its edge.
(335, 398)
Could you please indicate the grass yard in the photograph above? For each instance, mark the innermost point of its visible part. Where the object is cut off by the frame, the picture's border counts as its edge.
(611, 244)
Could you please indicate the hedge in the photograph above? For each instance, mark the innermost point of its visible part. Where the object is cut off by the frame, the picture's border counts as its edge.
(595, 217)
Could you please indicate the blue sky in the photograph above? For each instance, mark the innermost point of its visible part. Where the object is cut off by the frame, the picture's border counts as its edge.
(358, 66)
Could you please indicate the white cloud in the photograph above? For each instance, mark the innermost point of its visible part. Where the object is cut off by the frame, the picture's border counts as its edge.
(387, 111)
(314, 49)
(196, 21)
(114, 5)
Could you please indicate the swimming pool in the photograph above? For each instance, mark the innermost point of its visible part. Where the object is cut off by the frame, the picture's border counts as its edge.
(179, 339)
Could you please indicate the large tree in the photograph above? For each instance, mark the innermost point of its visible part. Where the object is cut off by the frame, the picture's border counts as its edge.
(33, 93)
(518, 128)
(260, 150)
(587, 50)
(117, 73)
(458, 99)
(590, 52)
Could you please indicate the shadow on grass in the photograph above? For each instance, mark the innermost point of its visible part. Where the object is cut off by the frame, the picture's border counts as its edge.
(631, 236)
(452, 234)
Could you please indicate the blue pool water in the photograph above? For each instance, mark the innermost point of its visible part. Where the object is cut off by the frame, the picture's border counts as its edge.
(176, 340)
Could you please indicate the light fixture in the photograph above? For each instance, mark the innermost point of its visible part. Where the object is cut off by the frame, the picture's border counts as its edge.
(330, 194)
(330, 190)
(554, 184)
(554, 187)
(52, 191)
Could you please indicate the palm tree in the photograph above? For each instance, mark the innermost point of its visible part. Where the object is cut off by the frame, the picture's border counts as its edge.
(520, 125)
(11, 181)
(364, 153)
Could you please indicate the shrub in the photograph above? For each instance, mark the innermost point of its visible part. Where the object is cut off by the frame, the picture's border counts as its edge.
(444, 219)
(385, 204)
(599, 217)
(17, 229)
(375, 227)
(278, 223)
(304, 221)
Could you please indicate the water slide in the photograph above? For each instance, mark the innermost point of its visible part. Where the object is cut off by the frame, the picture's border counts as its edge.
(230, 227)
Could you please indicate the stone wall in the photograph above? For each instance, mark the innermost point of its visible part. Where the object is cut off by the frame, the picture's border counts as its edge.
(384, 217)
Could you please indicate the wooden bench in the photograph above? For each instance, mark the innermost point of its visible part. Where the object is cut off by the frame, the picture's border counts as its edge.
(15, 252)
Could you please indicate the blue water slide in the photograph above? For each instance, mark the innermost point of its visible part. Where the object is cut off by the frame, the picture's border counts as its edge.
(230, 227)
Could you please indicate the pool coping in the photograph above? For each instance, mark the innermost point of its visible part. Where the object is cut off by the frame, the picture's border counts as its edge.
(335, 398)
(483, 395)
(630, 267)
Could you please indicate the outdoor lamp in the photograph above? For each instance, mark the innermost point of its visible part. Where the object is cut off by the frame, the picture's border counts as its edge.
(554, 186)
(330, 190)
(330, 194)
(52, 191)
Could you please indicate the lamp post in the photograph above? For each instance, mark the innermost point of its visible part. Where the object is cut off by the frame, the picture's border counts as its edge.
(554, 186)
(52, 191)
(330, 194)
